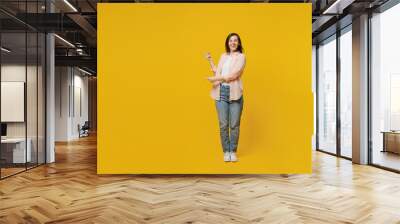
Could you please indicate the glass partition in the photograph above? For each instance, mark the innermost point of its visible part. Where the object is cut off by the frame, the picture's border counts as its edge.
(327, 95)
(22, 77)
(15, 152)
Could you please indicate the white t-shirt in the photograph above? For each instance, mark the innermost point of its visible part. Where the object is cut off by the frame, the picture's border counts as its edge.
(225, 68)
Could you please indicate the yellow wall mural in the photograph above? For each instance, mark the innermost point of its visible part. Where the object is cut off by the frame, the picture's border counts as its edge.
(155, 113)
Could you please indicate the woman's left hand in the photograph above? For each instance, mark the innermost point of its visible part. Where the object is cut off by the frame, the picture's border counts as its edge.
(215, 78)
(211, 79)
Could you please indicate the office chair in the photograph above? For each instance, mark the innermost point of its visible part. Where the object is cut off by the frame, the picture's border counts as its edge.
(84, 130)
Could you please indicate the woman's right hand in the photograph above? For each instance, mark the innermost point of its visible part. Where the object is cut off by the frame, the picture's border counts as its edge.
(210, 60)
(208, 56)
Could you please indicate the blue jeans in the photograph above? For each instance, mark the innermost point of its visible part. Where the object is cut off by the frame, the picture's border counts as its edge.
(229, 113)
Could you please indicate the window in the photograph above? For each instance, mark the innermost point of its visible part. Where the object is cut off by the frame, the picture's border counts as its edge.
(346, 93)
(385, 89)
(327, 95)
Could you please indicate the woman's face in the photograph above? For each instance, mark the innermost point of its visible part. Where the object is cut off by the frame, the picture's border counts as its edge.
(233, 43)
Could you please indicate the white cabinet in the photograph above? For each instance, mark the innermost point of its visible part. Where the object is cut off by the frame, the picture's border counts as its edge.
(18, 149)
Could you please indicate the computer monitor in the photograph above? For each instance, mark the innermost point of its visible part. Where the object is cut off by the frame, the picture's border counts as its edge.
(3, 129)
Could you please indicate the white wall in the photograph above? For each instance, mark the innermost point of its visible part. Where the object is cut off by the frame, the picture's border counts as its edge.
(33, 127)
(71, 94)
(9, 73)
(80, 84)
(16, 72)
(62, 81)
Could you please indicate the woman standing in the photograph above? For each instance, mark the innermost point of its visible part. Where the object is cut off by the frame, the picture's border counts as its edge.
(227, 91)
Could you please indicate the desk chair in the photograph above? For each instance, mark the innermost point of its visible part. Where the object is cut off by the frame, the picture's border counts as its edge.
(84, 130)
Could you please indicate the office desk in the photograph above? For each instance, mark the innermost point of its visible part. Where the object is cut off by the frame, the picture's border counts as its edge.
(13, 150)
(391, 141)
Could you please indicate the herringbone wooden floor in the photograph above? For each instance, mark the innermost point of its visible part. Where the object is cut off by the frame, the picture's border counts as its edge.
(69, 191)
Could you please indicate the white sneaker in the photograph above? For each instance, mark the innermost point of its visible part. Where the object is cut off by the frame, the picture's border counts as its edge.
(233, 157)
(227, 157)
